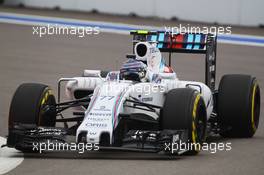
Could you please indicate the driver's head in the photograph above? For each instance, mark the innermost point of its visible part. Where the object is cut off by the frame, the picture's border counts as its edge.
(134, 70)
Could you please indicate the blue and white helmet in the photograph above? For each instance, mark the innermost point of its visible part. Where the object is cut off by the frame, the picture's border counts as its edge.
(134, 70)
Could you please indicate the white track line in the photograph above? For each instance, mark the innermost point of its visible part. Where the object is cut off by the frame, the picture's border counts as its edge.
(9, 158)
(118, 28)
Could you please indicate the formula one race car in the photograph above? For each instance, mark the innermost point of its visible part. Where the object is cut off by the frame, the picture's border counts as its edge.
(143, 106)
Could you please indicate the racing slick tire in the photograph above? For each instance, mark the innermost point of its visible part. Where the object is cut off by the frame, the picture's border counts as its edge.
(184, 109)
(29, 107)
(238, 105)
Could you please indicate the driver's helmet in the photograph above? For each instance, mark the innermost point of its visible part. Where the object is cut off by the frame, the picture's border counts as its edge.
(134, 70)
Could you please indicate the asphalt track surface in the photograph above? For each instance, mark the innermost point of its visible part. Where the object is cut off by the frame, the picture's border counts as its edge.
(28, 58)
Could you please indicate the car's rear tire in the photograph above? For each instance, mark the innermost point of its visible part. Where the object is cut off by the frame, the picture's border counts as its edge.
(184, 109)
(238, 105)
(29, 107)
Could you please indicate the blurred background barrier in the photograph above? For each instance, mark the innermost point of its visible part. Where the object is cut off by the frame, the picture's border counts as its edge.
(236, 12)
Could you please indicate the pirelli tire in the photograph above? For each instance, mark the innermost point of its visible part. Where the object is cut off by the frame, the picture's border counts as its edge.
(29, 108)
(28, 105)
(184, 109)
(238, 105)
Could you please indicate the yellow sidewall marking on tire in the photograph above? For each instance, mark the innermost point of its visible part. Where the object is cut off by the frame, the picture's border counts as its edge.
(44, 100)
(252, 107)
(194, 132)
(195, 105)
(45, 97)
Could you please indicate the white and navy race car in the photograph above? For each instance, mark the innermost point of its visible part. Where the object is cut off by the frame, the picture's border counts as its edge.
(142, 106)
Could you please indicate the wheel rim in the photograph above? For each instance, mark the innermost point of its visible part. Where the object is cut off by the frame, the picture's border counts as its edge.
(46, 101)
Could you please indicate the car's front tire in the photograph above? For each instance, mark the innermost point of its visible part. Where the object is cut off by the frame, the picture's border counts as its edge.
(28, 107)
(184, 109)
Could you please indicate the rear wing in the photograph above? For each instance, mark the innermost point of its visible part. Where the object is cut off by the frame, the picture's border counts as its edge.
(197, 43)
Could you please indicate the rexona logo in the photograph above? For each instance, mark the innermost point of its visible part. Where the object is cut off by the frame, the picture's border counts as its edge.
(96, 125)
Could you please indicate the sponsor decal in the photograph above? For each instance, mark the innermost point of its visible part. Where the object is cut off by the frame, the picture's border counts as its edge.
(96, 119)
(96, 125)
(107, 97)
(92, 133)
(99, 114)
(102, 108)
(147, 99)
